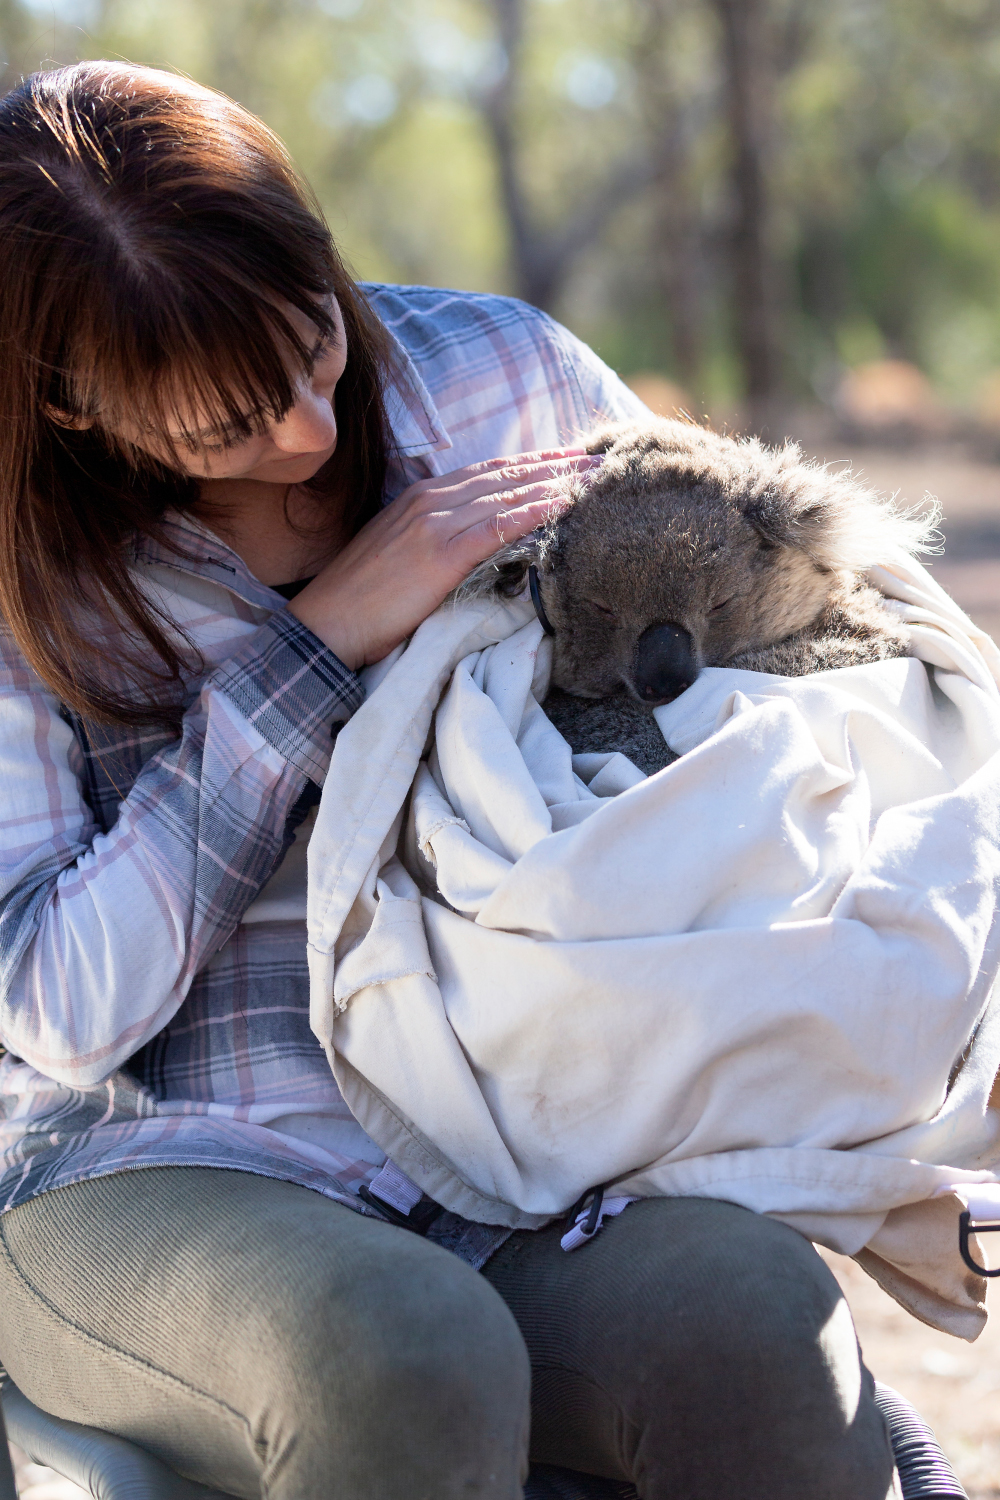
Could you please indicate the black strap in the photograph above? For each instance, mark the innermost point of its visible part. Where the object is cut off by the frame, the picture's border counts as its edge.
(536, 600)
(289, 590)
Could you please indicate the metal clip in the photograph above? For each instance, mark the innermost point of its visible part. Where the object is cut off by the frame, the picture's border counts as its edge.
(593, 1219)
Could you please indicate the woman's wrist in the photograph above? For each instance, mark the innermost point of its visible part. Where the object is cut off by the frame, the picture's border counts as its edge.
(328, 627)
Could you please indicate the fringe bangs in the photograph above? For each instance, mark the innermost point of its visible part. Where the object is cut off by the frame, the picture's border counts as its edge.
(154, 232)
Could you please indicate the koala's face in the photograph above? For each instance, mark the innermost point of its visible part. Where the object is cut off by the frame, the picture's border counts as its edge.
(662, 567)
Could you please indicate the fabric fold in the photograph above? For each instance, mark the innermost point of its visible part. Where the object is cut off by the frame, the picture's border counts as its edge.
(763, 974)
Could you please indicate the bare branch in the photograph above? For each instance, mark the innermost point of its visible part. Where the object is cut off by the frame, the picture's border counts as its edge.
(542, 259)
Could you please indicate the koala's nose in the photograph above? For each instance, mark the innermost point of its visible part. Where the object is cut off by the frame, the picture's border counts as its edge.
(664, 663)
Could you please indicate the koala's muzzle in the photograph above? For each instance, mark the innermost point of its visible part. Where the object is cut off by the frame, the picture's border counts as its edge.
(664, 663)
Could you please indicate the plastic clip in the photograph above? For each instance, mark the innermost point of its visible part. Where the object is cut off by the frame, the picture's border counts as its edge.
(966, 1226)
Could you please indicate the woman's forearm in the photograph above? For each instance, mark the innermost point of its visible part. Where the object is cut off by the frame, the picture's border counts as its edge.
(101, 934)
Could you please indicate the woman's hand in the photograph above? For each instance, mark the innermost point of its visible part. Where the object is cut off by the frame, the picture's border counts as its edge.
(409, 557)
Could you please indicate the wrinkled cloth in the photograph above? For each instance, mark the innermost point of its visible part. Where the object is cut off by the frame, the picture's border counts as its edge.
(761, 975)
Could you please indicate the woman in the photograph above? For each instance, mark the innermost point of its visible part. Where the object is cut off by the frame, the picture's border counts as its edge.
(202, 419)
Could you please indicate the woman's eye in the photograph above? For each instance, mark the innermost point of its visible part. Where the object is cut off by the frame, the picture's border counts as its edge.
(324, 354)
(721, 605)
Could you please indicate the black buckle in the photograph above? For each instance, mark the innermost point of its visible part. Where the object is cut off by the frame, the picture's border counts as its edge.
(965, 1228)
(589, 1225)
(536, 600)
(419, 1219)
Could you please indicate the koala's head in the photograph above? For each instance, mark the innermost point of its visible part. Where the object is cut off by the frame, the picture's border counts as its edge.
(686, 549)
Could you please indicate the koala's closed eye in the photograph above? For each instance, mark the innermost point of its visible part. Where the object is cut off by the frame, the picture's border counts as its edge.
(721, 604)
(600, 609)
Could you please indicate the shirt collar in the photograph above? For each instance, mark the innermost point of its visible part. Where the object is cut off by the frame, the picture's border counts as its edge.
(190, 547)
(414, 420)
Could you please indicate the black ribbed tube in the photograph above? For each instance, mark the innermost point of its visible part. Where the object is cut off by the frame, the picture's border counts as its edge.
(924, 1472)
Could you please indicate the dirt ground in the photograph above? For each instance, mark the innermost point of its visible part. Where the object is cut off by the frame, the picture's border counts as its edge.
(956, 1386)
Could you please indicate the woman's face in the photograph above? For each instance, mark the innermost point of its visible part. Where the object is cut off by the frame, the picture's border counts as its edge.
(289, 451)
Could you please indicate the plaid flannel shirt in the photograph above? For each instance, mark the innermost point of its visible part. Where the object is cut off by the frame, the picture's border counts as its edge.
(146, 1023)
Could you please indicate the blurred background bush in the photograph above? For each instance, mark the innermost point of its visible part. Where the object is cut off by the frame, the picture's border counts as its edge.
(744, 200)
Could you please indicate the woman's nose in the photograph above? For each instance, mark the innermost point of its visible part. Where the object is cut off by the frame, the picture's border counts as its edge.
(307, 427)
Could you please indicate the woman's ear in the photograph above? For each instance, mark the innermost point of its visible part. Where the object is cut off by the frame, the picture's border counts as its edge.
(67, 419)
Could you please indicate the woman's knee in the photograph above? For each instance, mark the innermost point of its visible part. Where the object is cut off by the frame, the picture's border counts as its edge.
(269, 1330)
(420, 1372)
(695, 1347)
(758, 1360)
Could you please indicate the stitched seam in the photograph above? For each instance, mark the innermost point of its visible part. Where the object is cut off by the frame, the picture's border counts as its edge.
(613, 1401)
(104, 1346)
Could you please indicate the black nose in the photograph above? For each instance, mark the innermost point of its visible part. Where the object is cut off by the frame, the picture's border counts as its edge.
(664, 663)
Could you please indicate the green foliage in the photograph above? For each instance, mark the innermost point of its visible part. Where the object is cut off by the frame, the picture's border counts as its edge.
(883, 159)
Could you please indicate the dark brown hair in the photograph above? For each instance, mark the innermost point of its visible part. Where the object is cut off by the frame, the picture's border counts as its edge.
(151, 231)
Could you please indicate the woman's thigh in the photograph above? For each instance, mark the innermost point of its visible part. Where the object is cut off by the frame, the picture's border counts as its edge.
(698, 1350)
(254, 1335)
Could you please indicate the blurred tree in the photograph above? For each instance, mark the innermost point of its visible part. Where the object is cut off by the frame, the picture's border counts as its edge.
(750, 84)
(675, 105)
(542, 257)
(750, 195)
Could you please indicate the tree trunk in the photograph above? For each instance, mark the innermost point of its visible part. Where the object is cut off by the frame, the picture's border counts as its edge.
(756, 274)
(541, 260)
(530, 280)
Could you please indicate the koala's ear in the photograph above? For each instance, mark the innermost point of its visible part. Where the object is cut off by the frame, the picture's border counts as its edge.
(504, 574)
(841, 526)
(604, 438)
(780, 521)
(802, 513)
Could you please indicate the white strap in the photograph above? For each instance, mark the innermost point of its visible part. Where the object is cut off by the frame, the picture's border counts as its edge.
(577, 1236)
(394, 1187)
(982, 1199)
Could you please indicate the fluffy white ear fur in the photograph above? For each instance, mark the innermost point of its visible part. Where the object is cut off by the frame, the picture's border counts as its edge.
(842, 526)
(504, 573)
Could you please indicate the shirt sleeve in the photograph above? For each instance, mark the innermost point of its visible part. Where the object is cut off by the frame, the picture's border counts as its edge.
(604, 395)
(101, 934)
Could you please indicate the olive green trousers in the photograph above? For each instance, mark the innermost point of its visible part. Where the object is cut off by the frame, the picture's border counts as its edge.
(264, 1340)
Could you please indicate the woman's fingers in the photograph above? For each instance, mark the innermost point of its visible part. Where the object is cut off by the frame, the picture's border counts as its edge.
(514, 461)
(523, 512)
(451, 490)
(405, 561)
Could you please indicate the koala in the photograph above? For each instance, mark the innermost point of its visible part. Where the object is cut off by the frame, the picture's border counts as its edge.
(685, 550)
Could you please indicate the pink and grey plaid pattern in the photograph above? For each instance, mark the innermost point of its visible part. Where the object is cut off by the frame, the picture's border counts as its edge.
(146, 1024)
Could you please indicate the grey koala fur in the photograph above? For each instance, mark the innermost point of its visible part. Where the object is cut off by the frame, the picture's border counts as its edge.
(753, 557)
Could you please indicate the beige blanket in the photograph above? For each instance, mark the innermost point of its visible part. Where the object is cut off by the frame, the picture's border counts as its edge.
(762, 975)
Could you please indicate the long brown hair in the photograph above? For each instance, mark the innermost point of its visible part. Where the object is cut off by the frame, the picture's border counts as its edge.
(151, 230)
